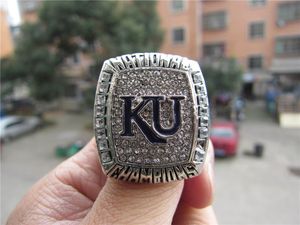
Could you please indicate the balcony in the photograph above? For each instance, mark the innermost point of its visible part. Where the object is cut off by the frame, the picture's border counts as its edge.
(285, 66)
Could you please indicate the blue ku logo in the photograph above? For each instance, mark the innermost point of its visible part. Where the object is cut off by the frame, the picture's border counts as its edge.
(155, 133)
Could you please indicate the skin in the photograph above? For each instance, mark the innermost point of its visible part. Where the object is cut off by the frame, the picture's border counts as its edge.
(77, 192)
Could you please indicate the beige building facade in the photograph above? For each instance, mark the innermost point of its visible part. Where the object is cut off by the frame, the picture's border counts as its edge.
(181, 21)
(256, 32)
(7, 47)
(263, 35)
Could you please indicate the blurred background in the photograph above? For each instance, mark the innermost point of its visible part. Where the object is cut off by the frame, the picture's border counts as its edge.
(249, 52)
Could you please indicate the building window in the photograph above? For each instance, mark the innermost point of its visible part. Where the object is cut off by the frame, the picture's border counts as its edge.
(215, 50)
(257, 2)
(288, 12)
(288, 46)
(214, 20)
(177, 5)
(256, 30)
(255, 62)
(178, 35)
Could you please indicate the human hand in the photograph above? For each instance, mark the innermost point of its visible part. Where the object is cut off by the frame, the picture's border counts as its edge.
(77, 192)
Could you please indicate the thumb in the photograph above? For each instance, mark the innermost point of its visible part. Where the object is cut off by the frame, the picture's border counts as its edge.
(126, 203)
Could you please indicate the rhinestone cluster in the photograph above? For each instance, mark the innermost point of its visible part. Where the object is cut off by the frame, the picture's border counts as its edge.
(203, 116)
(147, 82)
(151, 118)
(102, 118)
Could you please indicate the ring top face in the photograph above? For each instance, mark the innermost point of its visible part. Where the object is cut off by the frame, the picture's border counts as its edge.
(151, 118)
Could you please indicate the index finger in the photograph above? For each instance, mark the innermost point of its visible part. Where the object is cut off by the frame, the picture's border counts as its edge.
(83, 171)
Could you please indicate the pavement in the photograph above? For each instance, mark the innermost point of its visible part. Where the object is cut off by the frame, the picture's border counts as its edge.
(248, 190)
(27, 159)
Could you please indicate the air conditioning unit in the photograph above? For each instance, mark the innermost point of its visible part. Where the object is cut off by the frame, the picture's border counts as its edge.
(280, 23)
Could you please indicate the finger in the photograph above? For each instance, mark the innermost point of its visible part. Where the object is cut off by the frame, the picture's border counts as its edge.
(125, 203)
(188, 215)
(83, 171)
(195, 204)
(66, 192)
(198, 191)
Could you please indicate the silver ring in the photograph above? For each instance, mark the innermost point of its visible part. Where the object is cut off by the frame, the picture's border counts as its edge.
(151, 118)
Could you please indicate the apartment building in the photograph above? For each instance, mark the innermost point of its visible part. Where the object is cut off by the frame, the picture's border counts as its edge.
(181, 21)
(6, 47)
(263, 35)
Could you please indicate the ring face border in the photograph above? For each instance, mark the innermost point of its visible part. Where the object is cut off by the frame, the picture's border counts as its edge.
(102, 118)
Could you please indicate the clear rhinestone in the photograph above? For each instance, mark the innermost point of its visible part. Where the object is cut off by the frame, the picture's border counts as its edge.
(156, 160)
(131, 158)
(202, 110)
(173, 158)
(101, 133)
(103, 88)
(160, 150)
(201, 142)
(152, 152)
(100, 99)
(144, 150)
(156, 73)
(99, 111)
(103, 144)
(106, 157)
(99, 122)
(138, 160)
(128, 150)
(101, 136)
(166, 159)
(197, 78)
(182, 157)
(122, 158)
(106, 77)
(204, 121)
(203, 132)
(199, 154)
(168, 150)
(152, 82)
(125, 143)
(199, 89)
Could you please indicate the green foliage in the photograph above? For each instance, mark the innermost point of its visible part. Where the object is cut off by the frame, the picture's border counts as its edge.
(11, 69)
(120, 27)
(224, 76)
(11, 73)
(33, 64)
(46, 83)
(138, 30)
(66, 27)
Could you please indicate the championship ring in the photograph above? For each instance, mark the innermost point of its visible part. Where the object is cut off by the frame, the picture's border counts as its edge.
(151, 118)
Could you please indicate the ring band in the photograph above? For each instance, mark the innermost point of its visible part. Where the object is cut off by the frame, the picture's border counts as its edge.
(151, 118)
